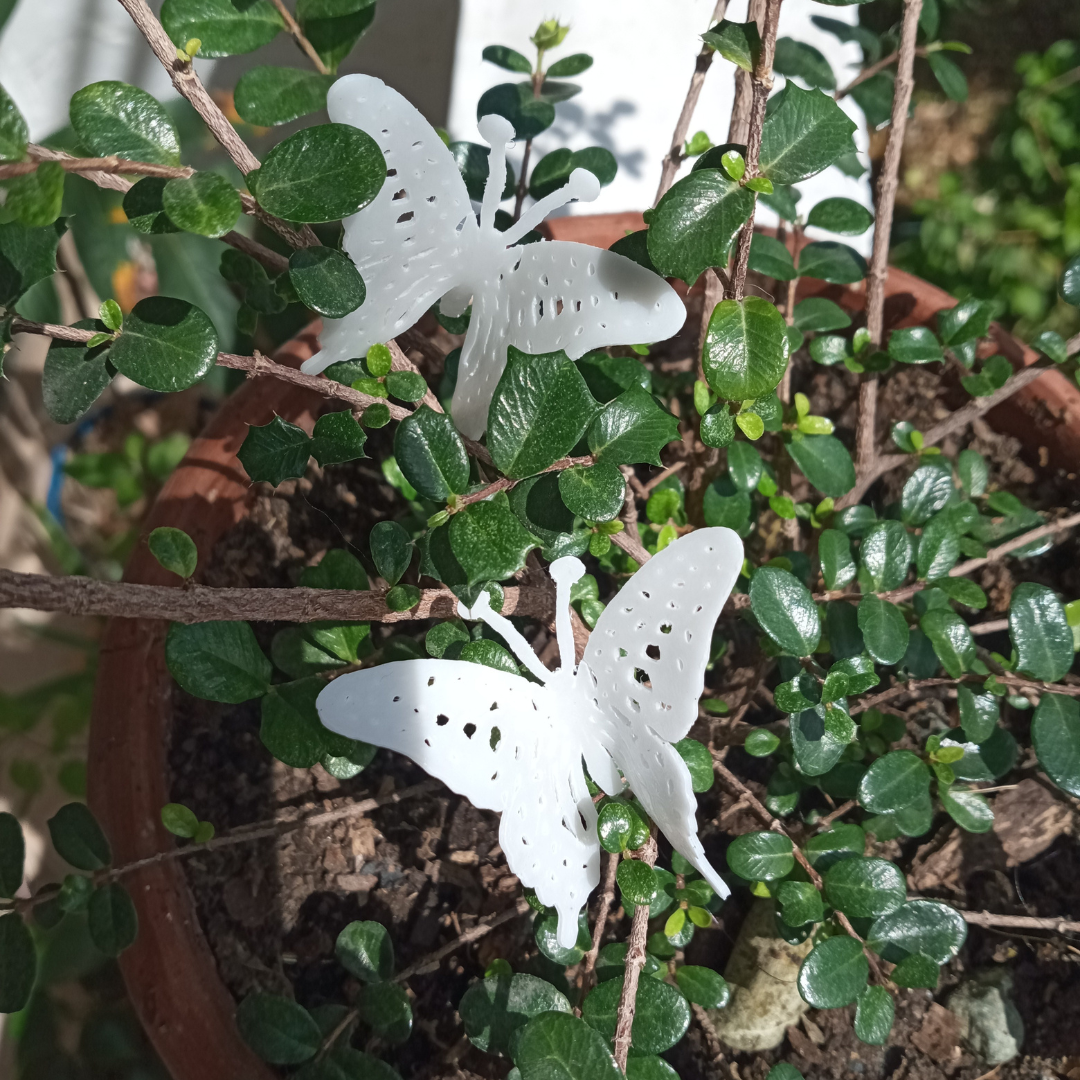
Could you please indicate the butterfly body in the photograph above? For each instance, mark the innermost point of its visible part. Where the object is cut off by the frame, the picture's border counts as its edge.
(517, 746)
(419, 241)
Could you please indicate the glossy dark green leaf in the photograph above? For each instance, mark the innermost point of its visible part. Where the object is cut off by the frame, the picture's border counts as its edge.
(825, 461)
(326, 281)
(574, 64)
(745, 466)
(145, 210)
(495, 1010)
(278, 1029)
(801, 61)
(515, 102)
(924, 927)
(35, 199)
(839, 215)
(1055, 733)
(544, 933)
(914, 345)
(219, 661)
(267, 96)
(893, 782)
(761, 856)
(928, 490)
(488, 540)
(290, 728)
(322, 173)
(595, 492)
(365, 950)
(111, 919)
(834, 974)
(694, 224)
(511, 60)
(12, 855)
(386, 1009)
(14, 133)
(174, 549)
(1069, 286)
(392, 549)
(703, 986)
(345, 1063)
(275, 451)
(770, 257)
(979, 713)
(115, 118)
(874, 1011)
(819, 737)
(204, 203)
(631, 429)
(804, 133)
(472, 162)
(337, 437)
(837, 565)
(968, 320)
(831, 261)
(786, 610)
(746, 348)
(18, 964)
(951, 638)
(223, 27)
(968, 809)
(738, 42)
(334, 26)
(636, 882)
(865, 888)
(74, 376)
(608, 376)
(818, 314)
(838, 842)
(991, 758)
(553, 170)
(699, 763)
(78, 839)
(950, 78)
(166, 344)
(27, 255)
(432, 456)
(801, 902)
(660, 1020)
(1040, 632)
(559, 1046)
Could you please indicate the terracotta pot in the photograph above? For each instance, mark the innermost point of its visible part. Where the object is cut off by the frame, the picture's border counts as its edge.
(170, 972)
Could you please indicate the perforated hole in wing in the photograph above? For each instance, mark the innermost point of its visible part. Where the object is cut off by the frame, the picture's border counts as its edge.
(442, 720)
(470, 730)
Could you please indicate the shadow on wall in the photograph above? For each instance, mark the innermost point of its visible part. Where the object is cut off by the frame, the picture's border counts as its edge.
(410, 46)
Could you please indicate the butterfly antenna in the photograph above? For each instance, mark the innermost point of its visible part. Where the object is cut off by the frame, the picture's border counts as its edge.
(498, 133)
(501, 625)
(582, 186)
(565, 572)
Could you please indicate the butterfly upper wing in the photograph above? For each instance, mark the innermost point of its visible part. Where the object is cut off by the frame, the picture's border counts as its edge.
(556, 295)
(503, 742)
(414, 241)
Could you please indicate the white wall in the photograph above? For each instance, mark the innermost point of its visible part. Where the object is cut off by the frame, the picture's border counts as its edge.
(644, 55)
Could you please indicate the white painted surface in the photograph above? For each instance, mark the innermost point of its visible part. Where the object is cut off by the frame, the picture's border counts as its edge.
(631, 97)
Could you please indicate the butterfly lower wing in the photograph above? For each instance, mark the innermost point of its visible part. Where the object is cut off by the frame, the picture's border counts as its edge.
(415, 241)
(650, 646)
(503, 742)
(557, 295)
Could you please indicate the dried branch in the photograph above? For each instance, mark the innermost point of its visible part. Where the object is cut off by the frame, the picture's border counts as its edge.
(298, 36)
(635, 961)
(607, 901)
(888, 183)
(739, 123)
(1020, 922)
(674, 157)
(761, 83)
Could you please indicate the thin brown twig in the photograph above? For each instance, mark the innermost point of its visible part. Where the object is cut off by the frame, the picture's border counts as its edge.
(298, 36)
(1021, 922)
(674, 157)
(867, 72)
(607, 901)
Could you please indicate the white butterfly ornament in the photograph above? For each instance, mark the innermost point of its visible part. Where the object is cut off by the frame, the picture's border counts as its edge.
(517, 746)
(419, 241)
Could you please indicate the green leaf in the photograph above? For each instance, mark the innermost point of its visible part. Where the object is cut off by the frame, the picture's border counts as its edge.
(1040, 632)
(290, 727)
(204, 203)
(817, 314)
(78, 839)
(74, 376)
(843, 216)
(12, 855)
(111, 919)
(874, 1011)
(746, 348)
(770, 257)
(275, 451)
(968, 809)
(574, 64)
(391, 548)
(1069, 286)
(824, 461)
(893, 782)
(819, 737)
(1055, 734)
(703, 986)
(488, 541)
(928, 490)
(834, 974)
(223, 27)
(831, 261)
(334, 26)
(338, 569)
(865, 888)
(805, 132)
(824, 850)
(660, 1020)
(738, 42)
(321, 173)
(489, 653)
(636, 881)
(166, 344)
(939, 547)
(113, 118)
(514, 101)
(27, 255)
(801, 61)
(801, 903)
(337, 437)
(559, 1046)
(540, 410)
(174, 549)
(386, 1009)
(607, 376)
(699, 763)
(979, 713)
(761, 856)
(992, 758)
(219, 661)
(278, 1029)
(18, 965)
(431, 454)
(631, 429)
(914, 345)
(950, 78)
(786, 610)
(923, 927)
(343, 1062)
(326, 281)
(837, 565)
(595, 492)
(406, 385)
(544, 933)
(36, 198)
(968, 320)
(511, 60)
(14, 133)
(951, 638)
(962, 591)
(145, 210)
(271, 95)
(179, 820)
(694, 224)
(365, 950)
(553, 170)
(495, 1011)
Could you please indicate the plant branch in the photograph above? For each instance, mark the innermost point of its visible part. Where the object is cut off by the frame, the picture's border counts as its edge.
(1020, 922)
(298, 36)
(635, 961)
(607, 901)
(674, 157)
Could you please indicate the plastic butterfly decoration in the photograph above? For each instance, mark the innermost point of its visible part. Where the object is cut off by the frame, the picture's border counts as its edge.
(513, 744)
(419, 241)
